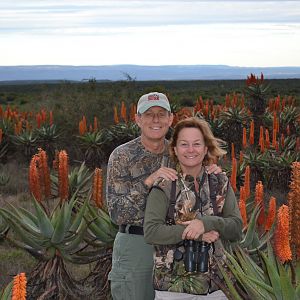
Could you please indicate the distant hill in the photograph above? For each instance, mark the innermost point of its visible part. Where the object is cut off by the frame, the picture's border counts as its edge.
(141, 73)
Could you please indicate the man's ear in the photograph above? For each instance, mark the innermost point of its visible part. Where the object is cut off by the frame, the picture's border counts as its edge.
(171, 119)
(137, 118)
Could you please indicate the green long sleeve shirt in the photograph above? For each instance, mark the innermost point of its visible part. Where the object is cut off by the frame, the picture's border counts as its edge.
(229, 224)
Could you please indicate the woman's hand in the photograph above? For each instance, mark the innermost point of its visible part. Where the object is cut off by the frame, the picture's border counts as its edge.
(163, 172)
(193, 229)
(215, 169)
(210, 236)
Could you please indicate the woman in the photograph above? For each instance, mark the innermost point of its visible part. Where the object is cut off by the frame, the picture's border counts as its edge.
(189, 222)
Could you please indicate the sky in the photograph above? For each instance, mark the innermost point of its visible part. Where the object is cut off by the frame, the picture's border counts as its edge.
(92, 33)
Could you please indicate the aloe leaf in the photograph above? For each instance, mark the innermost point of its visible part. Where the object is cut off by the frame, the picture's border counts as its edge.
(255, 290)
(288, 291)
(249, 266)
(297, 271)
(26, 237)
(248, 238)
(235, 295)
(272, 273)
(59, 229)
(264, 286)
(43, 220)
(23, 222)
(99, 234)
(78, 218)
(7, 292)
(78, 238)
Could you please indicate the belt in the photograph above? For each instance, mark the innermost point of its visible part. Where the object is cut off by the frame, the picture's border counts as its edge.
(131, 229)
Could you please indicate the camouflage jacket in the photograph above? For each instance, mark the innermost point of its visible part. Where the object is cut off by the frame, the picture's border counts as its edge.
(170, 274)
(128, 167)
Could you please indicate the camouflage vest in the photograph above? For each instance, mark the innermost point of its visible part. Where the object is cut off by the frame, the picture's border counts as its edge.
(170, 274)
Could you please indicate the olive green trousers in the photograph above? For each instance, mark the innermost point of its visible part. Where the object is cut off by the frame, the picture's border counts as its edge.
(132, 265)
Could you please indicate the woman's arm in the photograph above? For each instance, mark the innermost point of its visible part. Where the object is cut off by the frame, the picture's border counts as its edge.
(155, 229)
(229, 224)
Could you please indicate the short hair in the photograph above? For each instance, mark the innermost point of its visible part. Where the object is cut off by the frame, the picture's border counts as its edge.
(213, 144)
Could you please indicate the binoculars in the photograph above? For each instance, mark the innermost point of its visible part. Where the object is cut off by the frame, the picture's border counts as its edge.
(195, 256)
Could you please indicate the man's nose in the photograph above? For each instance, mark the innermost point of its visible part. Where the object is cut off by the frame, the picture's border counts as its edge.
(155, 118)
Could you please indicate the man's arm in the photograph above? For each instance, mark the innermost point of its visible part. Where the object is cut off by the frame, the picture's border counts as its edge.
(125, 196)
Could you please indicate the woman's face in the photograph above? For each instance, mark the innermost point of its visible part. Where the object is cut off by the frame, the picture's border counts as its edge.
(190, 148)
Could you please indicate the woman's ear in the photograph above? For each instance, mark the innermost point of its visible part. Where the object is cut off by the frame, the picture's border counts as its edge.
(175, 151)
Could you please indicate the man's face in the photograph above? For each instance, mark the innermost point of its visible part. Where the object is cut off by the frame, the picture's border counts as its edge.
(154, 122)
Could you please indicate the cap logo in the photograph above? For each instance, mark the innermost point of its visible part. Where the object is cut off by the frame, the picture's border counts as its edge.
(153, 97)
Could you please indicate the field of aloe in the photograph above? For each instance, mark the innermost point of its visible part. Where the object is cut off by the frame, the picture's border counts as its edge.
(60, 144)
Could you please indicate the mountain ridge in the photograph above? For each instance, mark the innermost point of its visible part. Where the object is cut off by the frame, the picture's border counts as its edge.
(141, 72)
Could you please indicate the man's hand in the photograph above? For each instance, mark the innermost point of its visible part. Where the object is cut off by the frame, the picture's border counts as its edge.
(210, 236)
(163, 172)
(213, 169)
(193, 229)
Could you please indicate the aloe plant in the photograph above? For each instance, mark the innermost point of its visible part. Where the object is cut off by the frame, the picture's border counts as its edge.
(52, 239)
(26, 142)
(268, 279)
(92, 144)
(79, 181)
(47, 138)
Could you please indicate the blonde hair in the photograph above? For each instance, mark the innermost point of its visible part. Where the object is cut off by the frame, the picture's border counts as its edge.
(214, 151)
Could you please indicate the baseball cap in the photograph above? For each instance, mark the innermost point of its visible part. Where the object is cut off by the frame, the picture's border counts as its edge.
(153, 99)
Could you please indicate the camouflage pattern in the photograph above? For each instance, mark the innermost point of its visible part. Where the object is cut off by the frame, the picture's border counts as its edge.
(170, 274)
(128, 167)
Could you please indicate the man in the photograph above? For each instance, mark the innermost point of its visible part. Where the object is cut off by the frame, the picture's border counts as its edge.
(132, 169)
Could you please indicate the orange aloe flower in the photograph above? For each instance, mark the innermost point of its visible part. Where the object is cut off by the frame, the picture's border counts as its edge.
(227, 101)
(44, 115)
(233, 174)
(241, 157)
(242, 206)
(44, 172)
(97, 188)
(274, 121)
(123, 112)
(247, 182)
(82, 126)
(1, 135)
(116, 117)
(34, 179)
(294, 207)
(271, 214)
(282, 247)
(232, 151)
(274, 139)
(267, 138)
(19, 287)
(244, 137)
(95, 124)
(50, 118)
(251, 136)
(259, 201)
(63, 180)
(38, 120)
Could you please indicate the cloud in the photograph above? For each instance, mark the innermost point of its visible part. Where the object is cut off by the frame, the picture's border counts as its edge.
(88, 17)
